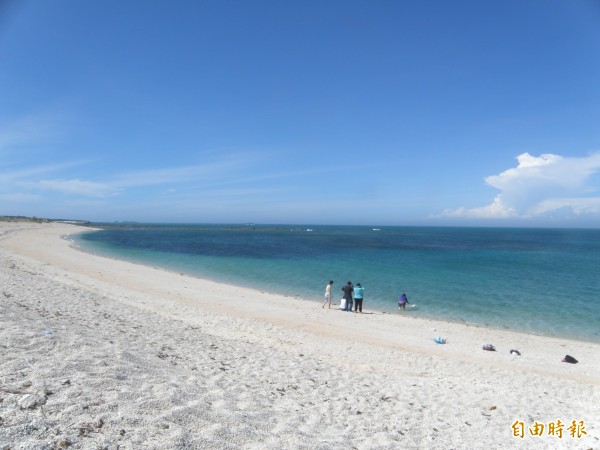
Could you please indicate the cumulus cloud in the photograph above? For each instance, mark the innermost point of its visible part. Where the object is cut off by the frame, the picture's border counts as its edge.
(496, 209)
(541, 186)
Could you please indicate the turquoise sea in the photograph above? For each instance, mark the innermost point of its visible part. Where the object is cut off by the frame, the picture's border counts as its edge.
(545, 281)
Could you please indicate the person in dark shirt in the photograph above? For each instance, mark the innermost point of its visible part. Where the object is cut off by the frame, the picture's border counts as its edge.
(348, 290)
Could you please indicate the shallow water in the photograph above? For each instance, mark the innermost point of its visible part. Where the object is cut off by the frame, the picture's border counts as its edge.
(544, 281)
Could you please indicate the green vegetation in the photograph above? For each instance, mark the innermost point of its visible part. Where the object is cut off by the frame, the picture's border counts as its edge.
(39, 220)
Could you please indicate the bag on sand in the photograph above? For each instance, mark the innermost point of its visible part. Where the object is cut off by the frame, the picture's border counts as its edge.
(343, 303)
(569, 359)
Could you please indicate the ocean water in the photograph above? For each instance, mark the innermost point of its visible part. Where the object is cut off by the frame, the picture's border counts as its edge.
(544, 281)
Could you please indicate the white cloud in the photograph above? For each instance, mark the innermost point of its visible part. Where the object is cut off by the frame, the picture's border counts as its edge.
(495, 210)
(577, 206)
(30, 178)
(27, 131)
(544, 186)
(171, 175)
(17, 175)
(20, 198)
(76, 186)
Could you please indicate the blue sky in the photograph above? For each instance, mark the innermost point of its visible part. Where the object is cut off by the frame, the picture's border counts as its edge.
(320, 112)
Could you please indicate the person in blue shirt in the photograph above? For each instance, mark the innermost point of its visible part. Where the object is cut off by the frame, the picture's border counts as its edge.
(403, 301)
(358, 297)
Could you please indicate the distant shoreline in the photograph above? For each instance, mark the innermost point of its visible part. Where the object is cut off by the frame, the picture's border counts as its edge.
(34, 219)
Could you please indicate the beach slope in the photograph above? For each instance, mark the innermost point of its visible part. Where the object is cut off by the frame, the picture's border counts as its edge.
(102, 353)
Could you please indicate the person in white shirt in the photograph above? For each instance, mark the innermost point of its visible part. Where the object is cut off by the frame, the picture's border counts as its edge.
(328, 294)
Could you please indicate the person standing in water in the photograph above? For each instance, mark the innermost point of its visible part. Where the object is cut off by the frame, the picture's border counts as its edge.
(328, 294)
(403, 301)
(348, 290)
(358, 297)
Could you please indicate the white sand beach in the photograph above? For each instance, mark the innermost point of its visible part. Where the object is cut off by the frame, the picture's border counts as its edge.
(98, 353)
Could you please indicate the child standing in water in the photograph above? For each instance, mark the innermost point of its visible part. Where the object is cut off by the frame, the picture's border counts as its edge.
(403, 301)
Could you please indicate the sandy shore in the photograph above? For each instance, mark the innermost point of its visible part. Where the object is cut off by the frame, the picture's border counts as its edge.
(101, 353)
